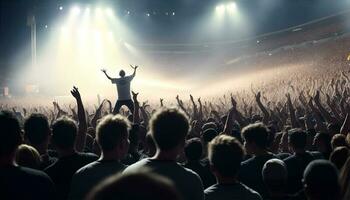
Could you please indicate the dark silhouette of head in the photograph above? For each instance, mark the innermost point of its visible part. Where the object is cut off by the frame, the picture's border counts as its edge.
(64, 132)
(193, 149)
(225, 155)
(339, 156)
(10, 134)
(28, 156)
(255, 137)
(122, 73)
(135, 186)
(297, 139)
(275, 175)
(321, 181)
(37, 129)
(169, 128)
(113, 132)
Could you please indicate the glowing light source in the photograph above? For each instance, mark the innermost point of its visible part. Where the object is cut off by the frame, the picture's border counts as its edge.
(75, 10)
(61, 7)
(98, 12)
(173, 13)
(231, 7)
(148, 14)
(109, 12)
(46, 26)
(220, 9)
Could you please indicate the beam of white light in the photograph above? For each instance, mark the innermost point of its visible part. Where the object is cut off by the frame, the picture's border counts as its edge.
(75, 10)
(231, 7)
(109, 12)
(220, 9)
(98, 12)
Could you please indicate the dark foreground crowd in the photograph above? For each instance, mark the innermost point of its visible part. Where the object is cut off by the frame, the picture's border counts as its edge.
(298, 149)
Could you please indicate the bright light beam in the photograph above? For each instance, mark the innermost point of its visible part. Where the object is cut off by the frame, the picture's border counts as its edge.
(220, 9)
(231, 8)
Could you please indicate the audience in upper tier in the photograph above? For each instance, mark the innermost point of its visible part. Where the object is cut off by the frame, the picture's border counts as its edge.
(237, 147)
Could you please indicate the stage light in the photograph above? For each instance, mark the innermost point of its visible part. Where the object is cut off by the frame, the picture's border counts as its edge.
(166, 13)
(109, 12)
(220, 9)
(173, 13)
(128, 12)
(231, 7)
(148, 14)
(61, 8)
(46, 26)
(75, 10)
(98, 12)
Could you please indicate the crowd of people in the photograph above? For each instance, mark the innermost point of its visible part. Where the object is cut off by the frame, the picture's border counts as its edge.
(291, 147)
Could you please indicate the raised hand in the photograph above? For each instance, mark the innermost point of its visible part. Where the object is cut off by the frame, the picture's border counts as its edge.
(317, 96)
(258, 96)
(134, 96)
(75, 93)
(199, 100)
(191, 97)
(104, 70)
(233, 102)
(134, 67)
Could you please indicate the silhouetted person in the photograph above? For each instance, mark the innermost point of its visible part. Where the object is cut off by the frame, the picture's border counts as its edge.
(321, 181)
(225, 155)
(255, 138)
(28, 156)
(18, 182)
(37, 132)
(339, 156)
(297, 162)
(64, 132)
(135, 186)
(275, 177)
(322, 142)
(112, 137)
(169, 128)
(193, 153)
(123, 89)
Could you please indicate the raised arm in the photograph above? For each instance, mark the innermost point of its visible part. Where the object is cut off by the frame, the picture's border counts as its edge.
(262, 107)
(82, 128)
(105, 72)
(291, 109)
(134, 68)
(136, 114)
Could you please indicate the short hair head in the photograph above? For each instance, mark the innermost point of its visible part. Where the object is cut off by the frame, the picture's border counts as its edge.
(64, 132)
(208, 134)
(275, 174)
(121, 73)
(111, 131)
(256, 133)
(321, 180)
(338, 140)
(297, 138)
(169, 128)
(193, 149)
(28, 156)
(225, 154)
(36, 128)
(339, 156)
(10, 133)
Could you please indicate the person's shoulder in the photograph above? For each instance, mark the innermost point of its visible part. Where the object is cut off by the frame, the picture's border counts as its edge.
(210, 189)
(250, 193)
(289, 159)
(87, 167)
(248, 161)
(33, 174)
(136, 166)
(88, 156)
